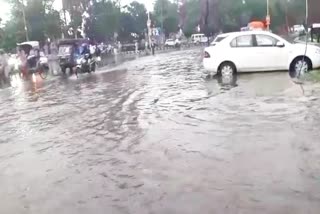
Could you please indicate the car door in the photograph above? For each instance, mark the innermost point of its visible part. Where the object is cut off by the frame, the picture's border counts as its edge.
(242, 53)
(269, 55)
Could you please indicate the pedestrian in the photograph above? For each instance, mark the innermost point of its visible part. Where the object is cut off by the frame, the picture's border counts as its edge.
(146, 45)
(3, 65)
(23, 59)
(153, 46)
(137, 47)
(119, 47)
(46, 49)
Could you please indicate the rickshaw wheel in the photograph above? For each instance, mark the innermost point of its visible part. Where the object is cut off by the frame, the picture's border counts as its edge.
(44, 73)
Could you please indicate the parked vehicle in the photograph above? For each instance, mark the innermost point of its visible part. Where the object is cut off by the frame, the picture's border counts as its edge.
(199, 38)
(172, 43)
(252, 51)
(37, 62)
(69, 52)
(298, 28)
(315, 32)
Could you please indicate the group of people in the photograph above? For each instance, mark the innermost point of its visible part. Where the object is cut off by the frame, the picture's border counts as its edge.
(17, 63)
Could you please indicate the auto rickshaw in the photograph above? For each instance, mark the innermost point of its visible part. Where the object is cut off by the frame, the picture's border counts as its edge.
(315, 32)
(36, 61)
(69, 53)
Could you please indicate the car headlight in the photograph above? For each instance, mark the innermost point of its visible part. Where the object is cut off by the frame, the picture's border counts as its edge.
(79, 61)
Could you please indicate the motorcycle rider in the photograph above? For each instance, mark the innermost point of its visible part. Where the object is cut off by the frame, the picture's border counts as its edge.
(85, 50)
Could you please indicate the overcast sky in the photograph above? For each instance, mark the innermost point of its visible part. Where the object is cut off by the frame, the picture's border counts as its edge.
(5, 8)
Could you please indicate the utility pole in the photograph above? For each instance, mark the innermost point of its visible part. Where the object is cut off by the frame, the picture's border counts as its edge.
(24, 18)
(162, 30)
(307, 11)
(149, 29)
(162, 15)
(268, 15)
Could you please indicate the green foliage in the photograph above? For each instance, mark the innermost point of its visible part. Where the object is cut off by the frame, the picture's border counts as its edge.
(107, 17)
(41, 19)
(166, 13)
(193, 12)
(138, 13)
(133, 20)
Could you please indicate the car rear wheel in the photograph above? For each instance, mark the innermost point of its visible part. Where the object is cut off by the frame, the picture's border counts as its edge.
(300, 66)
(227, 69)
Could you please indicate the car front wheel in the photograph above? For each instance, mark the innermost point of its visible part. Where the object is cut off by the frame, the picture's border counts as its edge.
(300, 66)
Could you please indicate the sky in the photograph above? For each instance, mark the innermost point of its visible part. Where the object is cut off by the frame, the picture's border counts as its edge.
(5, 7)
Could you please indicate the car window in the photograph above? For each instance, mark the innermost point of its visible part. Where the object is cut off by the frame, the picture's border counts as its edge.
(219, 39)
(242, 41)
(266, 41)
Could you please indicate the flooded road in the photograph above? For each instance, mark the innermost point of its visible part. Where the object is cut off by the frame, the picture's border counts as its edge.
(154, 136)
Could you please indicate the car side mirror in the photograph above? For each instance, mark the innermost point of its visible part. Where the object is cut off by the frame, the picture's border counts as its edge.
(280, 44)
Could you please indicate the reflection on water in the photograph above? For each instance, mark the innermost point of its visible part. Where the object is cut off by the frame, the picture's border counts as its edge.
(227, 82)
(126, 141)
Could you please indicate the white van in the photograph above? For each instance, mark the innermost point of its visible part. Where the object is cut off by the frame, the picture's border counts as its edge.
(199, 38)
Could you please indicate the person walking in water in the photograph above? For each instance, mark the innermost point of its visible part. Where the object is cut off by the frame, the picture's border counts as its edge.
(136, 44)
(153, 46)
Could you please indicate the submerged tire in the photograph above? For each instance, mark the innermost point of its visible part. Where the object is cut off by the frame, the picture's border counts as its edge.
(227, 69)
(299, 66)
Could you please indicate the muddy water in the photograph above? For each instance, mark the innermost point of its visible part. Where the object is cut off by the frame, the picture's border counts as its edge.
(155, 136)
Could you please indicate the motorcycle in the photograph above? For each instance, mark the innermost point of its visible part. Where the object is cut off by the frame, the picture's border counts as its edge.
(85, 64)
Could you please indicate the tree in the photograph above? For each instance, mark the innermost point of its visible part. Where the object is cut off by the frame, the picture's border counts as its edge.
(193, 12)
(41, 19)
(138, 13)
(106, 15)
(166, 14)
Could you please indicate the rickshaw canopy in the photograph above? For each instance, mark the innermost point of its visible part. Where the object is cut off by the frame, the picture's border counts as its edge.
(32, 44)
(73, 41)
(28, 46)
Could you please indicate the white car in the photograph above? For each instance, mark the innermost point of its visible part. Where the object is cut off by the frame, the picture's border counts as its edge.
(199, 38)
(172, 43)
(252, 51)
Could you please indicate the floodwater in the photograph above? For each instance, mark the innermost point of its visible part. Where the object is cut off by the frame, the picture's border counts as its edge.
(155, 136)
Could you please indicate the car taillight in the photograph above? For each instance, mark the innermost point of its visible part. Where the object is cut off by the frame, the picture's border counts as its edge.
(206, 55)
